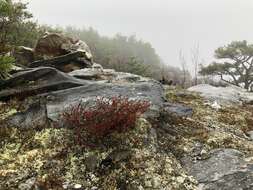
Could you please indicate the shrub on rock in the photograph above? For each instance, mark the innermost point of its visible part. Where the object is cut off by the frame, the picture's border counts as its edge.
(107, 115)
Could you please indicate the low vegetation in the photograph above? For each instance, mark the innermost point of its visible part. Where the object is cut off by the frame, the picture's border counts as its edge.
(116, 114)
(223, 128)
(53, 153)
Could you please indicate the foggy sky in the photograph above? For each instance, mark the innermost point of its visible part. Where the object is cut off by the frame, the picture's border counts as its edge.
(169, 25)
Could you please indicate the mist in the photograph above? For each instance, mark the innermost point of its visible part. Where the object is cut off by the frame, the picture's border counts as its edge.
(168, 25)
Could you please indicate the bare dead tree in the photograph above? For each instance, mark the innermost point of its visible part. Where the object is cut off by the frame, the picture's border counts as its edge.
(195, 62)
(183, 65)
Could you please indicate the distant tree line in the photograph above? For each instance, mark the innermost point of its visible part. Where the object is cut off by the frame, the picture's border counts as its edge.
(122, 53)
(128, 54)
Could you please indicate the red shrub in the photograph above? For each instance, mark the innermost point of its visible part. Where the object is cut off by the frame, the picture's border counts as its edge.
(106, 116)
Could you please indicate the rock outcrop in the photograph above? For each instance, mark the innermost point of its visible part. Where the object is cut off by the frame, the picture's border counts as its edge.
(223, 95)
(131, 160)
(52, 45)
(181, 142)
(23, 55)
(56, 50)
(60, 90)
(213, 145)
(222, 169)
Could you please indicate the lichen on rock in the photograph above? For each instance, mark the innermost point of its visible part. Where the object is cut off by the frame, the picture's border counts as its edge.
(168, 152)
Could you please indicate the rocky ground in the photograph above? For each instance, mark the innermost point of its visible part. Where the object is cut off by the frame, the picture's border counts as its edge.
(209, 150)
(199, 138)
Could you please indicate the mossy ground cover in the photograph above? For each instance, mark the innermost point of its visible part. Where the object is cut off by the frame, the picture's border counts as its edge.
(51, 159)
(223, 128)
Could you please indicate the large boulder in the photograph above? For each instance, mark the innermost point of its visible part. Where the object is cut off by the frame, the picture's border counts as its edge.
(223, 95)
(149, 91)
(55, 50)
(53, 45)
(58, 90)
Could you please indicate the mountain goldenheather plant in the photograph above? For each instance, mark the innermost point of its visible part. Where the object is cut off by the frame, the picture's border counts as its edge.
(107, 115)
